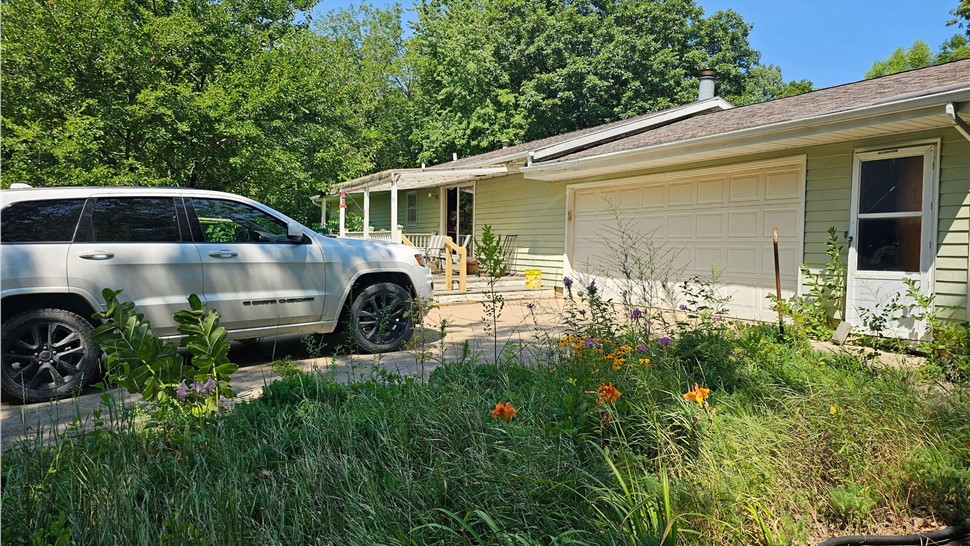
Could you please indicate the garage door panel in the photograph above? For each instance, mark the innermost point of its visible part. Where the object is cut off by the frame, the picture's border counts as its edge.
(745, 188)
(680, 226)
(786, 220)
(743, 259)
(787, 260)
(707, 256)
(710, 191)
(654, 197)
(628, 199)
(711, 224)
(680, 194)
(781, 185)
(724, 219)
(743, 223)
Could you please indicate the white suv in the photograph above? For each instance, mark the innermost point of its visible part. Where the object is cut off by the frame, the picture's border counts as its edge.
(264, 272)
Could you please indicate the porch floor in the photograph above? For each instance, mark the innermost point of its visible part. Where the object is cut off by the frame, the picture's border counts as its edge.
(511, 288)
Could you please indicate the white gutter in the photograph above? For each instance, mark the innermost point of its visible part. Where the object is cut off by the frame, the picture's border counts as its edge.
(621, 160)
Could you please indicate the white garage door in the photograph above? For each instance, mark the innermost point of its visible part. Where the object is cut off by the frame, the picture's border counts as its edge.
(702, 218)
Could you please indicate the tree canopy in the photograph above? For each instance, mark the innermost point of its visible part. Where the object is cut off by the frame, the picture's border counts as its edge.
(261, 98)
(919, 55)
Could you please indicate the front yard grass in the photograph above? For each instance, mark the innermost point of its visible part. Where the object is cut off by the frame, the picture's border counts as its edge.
(789, 446)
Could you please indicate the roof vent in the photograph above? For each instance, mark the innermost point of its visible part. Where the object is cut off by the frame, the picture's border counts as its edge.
(505, 143)
(706, 90)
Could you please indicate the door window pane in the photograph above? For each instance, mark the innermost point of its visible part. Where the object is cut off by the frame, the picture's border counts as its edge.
(889, 244)
(232, 222)
(135, 220)
(892, 185)
(52, 221)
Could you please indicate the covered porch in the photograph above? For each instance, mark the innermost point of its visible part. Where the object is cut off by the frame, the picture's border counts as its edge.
(431, 209)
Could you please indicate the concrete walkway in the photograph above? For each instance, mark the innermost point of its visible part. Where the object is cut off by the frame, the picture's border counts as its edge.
(523, 325)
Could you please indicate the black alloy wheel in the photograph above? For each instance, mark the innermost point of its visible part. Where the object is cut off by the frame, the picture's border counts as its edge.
(382, 317)
(46, 354)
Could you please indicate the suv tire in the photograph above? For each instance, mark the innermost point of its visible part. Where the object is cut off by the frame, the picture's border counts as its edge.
(381, 318)
(46, 354)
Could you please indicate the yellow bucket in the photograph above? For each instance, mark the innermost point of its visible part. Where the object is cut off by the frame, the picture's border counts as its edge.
(533, 278)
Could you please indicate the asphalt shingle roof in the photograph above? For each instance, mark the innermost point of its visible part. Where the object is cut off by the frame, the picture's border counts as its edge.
(815, 103)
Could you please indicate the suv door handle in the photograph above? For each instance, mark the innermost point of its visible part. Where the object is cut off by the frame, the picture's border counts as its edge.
(222, 254)
(98, 255)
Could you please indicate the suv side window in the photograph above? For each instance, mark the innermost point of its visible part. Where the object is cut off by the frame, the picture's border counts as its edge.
(51, 221)
(224, 221)
(133, 220)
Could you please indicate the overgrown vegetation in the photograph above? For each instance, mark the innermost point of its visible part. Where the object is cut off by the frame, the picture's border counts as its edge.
(720, 435)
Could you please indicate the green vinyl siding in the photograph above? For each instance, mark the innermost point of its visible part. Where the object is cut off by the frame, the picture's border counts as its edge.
(828, 183)
(532, 210)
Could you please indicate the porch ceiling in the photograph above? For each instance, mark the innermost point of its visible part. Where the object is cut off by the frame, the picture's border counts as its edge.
(411, 179)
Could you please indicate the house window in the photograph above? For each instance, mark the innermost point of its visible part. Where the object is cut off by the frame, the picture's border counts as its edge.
(412, 207)
(890, 214)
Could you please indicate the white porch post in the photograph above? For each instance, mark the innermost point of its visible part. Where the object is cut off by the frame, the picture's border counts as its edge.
(366, 213)
(343, 214)
(395, 234)
(323, 212)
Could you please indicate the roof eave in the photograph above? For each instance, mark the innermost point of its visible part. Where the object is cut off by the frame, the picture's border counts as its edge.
(627, 159)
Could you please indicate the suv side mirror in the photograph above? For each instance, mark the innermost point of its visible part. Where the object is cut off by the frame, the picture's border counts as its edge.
(294, 232)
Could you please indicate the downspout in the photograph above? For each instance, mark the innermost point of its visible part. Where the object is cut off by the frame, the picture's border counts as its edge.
(395, 232)
(962, 127)
(367, 212)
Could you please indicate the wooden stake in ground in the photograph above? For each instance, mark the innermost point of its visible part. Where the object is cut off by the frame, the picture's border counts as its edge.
(781, 320)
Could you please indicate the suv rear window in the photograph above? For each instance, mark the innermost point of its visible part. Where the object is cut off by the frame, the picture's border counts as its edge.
(134, 220)
(51, 221)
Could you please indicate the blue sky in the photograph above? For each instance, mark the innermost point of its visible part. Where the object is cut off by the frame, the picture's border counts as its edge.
(829, 42)
(834, 42)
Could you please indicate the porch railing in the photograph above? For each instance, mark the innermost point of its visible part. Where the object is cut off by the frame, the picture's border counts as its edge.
(377, 235)
(448, 256)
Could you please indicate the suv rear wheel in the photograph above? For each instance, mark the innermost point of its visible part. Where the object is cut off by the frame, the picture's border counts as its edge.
(46, 354)
(382, 317)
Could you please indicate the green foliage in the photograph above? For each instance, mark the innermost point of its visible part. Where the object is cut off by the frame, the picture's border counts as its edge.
(145, 364)
(917, 55)
(491, 262)
(229, 95)
(764, 82)
(391, 460)
(815, 313)
(519, 71)
(850, 501)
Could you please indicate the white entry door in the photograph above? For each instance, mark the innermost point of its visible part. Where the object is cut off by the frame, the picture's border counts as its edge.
(892, 233)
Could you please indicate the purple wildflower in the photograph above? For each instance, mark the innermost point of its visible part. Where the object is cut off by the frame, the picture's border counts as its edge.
(635, 314)
(664, 341)
(531, 306)
(590, 342)
(683, 307)
(204, 388)
(567, 282)
(643, 348)
(181, 391)
(582, 312)
(717, 318)
(591, 288)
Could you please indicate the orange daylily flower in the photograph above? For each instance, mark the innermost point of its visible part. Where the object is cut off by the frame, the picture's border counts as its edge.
(697, 395)
(608, 393)
(504, 411)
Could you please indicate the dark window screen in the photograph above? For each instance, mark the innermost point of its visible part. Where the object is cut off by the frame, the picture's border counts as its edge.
(52, 221)
(135, 220)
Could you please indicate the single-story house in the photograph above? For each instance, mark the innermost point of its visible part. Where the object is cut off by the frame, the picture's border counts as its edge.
(886, 162)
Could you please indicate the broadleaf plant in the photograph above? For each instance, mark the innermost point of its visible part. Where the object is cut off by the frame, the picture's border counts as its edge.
(145, 364)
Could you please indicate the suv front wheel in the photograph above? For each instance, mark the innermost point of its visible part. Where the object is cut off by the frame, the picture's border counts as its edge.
(382, 317)
(46, 354)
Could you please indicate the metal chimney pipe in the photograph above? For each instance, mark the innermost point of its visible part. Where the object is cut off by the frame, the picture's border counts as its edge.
(706, 88)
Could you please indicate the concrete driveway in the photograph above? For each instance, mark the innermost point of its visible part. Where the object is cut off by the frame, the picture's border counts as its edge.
(523, 325)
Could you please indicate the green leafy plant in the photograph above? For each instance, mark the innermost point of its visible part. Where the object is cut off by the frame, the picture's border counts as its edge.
(145, 364)
(491, 262)
(850, 501)
(705, 306)
(816, 312)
